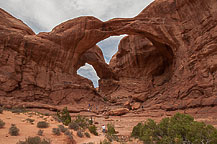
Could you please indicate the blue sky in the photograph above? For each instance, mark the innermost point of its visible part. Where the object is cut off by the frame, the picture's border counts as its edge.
(43, 15)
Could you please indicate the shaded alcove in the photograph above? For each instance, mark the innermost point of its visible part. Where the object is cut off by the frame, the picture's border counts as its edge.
(141, 65)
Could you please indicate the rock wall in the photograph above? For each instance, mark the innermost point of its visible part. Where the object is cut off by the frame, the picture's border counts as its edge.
(180, 75)
(168, 62)
(23, 82)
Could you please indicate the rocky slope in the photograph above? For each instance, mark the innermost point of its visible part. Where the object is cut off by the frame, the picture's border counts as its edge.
(168, 62)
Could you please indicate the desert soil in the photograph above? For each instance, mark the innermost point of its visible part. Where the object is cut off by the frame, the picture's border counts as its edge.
(123, 124)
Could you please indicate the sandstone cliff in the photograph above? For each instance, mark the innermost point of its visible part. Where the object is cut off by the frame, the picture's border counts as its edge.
(180, 75)
(168, 62)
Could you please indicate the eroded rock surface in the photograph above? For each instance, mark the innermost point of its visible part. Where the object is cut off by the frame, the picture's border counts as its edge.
(168, 62)
(177, 72)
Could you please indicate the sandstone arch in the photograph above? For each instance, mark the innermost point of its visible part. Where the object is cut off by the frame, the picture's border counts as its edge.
(188, 29)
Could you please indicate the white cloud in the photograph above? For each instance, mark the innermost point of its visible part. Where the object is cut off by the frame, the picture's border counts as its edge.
(109, 46)
(43, 15)
(88, 71)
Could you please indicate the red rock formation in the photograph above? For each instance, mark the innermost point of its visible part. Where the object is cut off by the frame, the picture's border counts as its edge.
(186, 67)
(25, 80)
(171, 64)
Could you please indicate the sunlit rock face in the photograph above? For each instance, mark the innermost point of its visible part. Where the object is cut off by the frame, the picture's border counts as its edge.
(174, 67)
(168, 62)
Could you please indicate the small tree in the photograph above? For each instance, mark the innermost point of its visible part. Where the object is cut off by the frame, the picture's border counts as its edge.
(111, 129)
(64, 116)
(93, 130)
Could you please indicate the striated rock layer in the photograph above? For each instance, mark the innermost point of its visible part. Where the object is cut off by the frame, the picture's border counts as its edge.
(25, 82)
(167, 63)
(181, 75)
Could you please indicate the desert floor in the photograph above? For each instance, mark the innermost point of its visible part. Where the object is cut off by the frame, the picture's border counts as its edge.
(123, 124)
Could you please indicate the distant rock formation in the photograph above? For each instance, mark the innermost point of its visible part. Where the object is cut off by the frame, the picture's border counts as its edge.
(167, 62)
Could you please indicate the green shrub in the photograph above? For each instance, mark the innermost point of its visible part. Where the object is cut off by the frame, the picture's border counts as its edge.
(62, 128)
(34, 140)
(14, 131)
(40, 132)
(47, 114)
(1, 110)
(105, 141)
(87, 134)
(42, 124)
(56, 131)
(82, 121)
(80, 134)
(178, 129)
(112, 137)
(90, 121)
(30, 120)
(67, 132)
(2, 123)
(69, 135)
(64, 116)
(111, 129)
(93, 130)
(73, 125)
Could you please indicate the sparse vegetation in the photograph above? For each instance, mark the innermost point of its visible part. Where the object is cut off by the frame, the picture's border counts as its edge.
(73, 125)
(30, 120)
(56, 131)
(56, 118)
(1, 110)
(64, 116)
(68, 134)
(2, 123)
(87, 134)
(111, 129)
(40, 132)
(178, 129)
(112, 137)
(47, 114)
(34, 140)
(93, 130)
(82, 121)
(42, 124)
(14, 131)
(80, 134)
(105, 141)
(62, 128)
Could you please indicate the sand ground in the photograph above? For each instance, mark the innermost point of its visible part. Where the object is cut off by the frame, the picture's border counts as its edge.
(123, 124)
